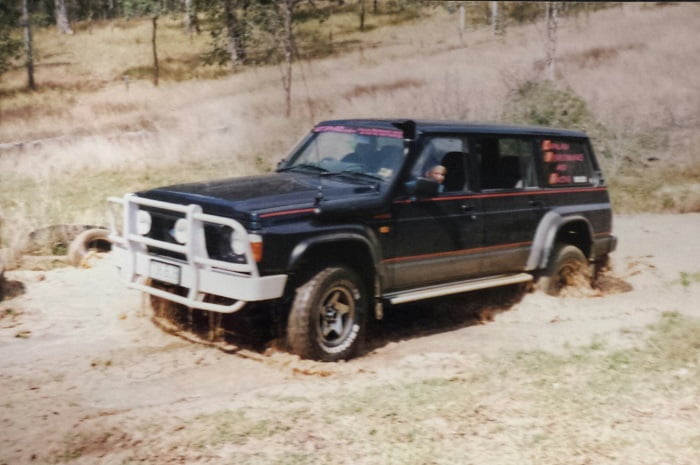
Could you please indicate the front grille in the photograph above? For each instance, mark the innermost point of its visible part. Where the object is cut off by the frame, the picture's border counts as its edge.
(161, 225)
(216, 237)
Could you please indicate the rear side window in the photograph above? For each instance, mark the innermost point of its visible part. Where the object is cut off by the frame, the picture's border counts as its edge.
(505, 162)
(566, 162)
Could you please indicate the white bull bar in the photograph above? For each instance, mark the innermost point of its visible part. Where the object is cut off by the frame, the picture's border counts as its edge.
(198, 273)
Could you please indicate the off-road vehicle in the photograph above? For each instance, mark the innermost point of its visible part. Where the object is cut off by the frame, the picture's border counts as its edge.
(349, 223)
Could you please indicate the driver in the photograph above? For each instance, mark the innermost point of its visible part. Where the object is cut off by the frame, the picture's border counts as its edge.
(437, 173)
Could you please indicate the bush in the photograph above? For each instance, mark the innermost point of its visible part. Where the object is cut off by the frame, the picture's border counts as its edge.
(543, 104)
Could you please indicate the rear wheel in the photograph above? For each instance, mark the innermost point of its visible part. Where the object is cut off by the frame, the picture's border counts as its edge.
(567, 267)
(328, 315)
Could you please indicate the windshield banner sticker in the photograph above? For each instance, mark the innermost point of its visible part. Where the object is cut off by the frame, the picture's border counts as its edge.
(361, 131)
(565, 162)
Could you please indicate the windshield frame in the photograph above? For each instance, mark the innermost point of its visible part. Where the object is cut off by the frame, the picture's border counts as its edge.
(360, 152)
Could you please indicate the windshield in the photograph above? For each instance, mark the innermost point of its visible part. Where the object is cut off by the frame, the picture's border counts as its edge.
(340, 150)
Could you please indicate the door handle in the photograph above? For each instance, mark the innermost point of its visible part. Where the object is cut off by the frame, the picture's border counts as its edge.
(468, 209)
(536, 203)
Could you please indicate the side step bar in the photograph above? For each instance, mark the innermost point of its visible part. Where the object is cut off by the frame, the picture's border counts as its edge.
(455, 288)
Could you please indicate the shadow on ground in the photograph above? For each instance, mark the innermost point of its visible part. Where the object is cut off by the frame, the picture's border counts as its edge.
(427, 317)
(260, 327)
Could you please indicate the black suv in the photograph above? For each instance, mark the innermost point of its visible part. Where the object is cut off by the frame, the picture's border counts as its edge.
(365, 213)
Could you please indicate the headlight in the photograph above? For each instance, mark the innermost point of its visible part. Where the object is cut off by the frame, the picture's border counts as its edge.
(238, 243)
(143, 222)
(180, 231)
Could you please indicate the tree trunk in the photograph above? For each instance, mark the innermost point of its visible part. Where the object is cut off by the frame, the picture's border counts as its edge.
(236, 38)
(494, 18)
(460, 24)
(190, 21)
(62, 18)
(362, 15)
(156, 67)
(27, 25)
(288, 43)
(551, 14)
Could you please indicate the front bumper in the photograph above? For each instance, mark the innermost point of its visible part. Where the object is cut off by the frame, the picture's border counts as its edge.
(197, 273)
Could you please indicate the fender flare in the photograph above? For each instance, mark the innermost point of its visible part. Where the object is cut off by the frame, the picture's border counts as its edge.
(304, 246)
(546, 233)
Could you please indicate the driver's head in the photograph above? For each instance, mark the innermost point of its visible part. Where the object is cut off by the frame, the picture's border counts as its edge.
(437, 173)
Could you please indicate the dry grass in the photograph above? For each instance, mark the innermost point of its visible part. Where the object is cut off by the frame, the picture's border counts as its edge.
(107, 139)
(591, 405)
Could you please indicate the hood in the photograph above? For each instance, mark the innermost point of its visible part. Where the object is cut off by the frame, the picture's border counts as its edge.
(241, 197)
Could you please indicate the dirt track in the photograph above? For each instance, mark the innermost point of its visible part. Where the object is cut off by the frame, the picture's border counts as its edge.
(78, 355)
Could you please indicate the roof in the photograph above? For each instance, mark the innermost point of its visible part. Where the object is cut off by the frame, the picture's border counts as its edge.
(439, 126)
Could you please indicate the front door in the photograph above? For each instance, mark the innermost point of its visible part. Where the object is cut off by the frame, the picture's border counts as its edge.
(431, 239)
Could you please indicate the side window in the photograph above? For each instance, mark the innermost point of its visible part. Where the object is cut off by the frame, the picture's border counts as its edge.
(565, 162)
(505, 162)
(448, 153)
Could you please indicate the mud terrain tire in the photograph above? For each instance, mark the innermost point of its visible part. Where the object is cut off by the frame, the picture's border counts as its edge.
(567, 267)
(85, 241)
(327, 318)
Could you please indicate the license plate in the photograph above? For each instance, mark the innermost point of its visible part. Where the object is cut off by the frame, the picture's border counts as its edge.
(165, 272)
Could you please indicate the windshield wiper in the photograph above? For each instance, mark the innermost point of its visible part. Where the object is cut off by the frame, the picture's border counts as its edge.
(362, 174)
(304, 166)
(325, 172)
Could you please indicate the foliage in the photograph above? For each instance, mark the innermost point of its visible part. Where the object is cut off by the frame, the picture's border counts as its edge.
(542, 103)
(9, 45)
(479, 13)
(251, 24)
(136, 8)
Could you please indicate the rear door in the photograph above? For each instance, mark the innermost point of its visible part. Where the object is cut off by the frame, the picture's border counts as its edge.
(511, 200)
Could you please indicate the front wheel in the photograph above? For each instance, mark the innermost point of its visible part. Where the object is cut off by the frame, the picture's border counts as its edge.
(328, 315)
(567, 267)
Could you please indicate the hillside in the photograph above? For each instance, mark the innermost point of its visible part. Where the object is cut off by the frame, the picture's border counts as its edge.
(636, 90)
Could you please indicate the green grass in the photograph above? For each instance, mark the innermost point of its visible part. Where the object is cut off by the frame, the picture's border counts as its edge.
(688, 279)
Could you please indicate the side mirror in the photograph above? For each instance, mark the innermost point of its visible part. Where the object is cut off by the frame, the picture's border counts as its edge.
(423, 187)
(281, 163)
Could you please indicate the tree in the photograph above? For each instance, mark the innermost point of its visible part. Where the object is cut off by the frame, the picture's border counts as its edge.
(62, 17)
(551, 18)
(191, 22)
(362, 15)
(28, 45)
(153, 9)
(154, 35)
(460, 23)
(285, 10)
(231, 23)
(497, 20)
(235, 12)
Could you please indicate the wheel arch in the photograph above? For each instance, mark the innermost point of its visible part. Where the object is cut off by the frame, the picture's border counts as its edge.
(557, 227)
(348, 248)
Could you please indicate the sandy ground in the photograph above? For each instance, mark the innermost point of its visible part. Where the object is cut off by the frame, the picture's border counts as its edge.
(78, 352)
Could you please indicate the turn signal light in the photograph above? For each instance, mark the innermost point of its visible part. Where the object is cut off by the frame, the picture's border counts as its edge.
(256, 246)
